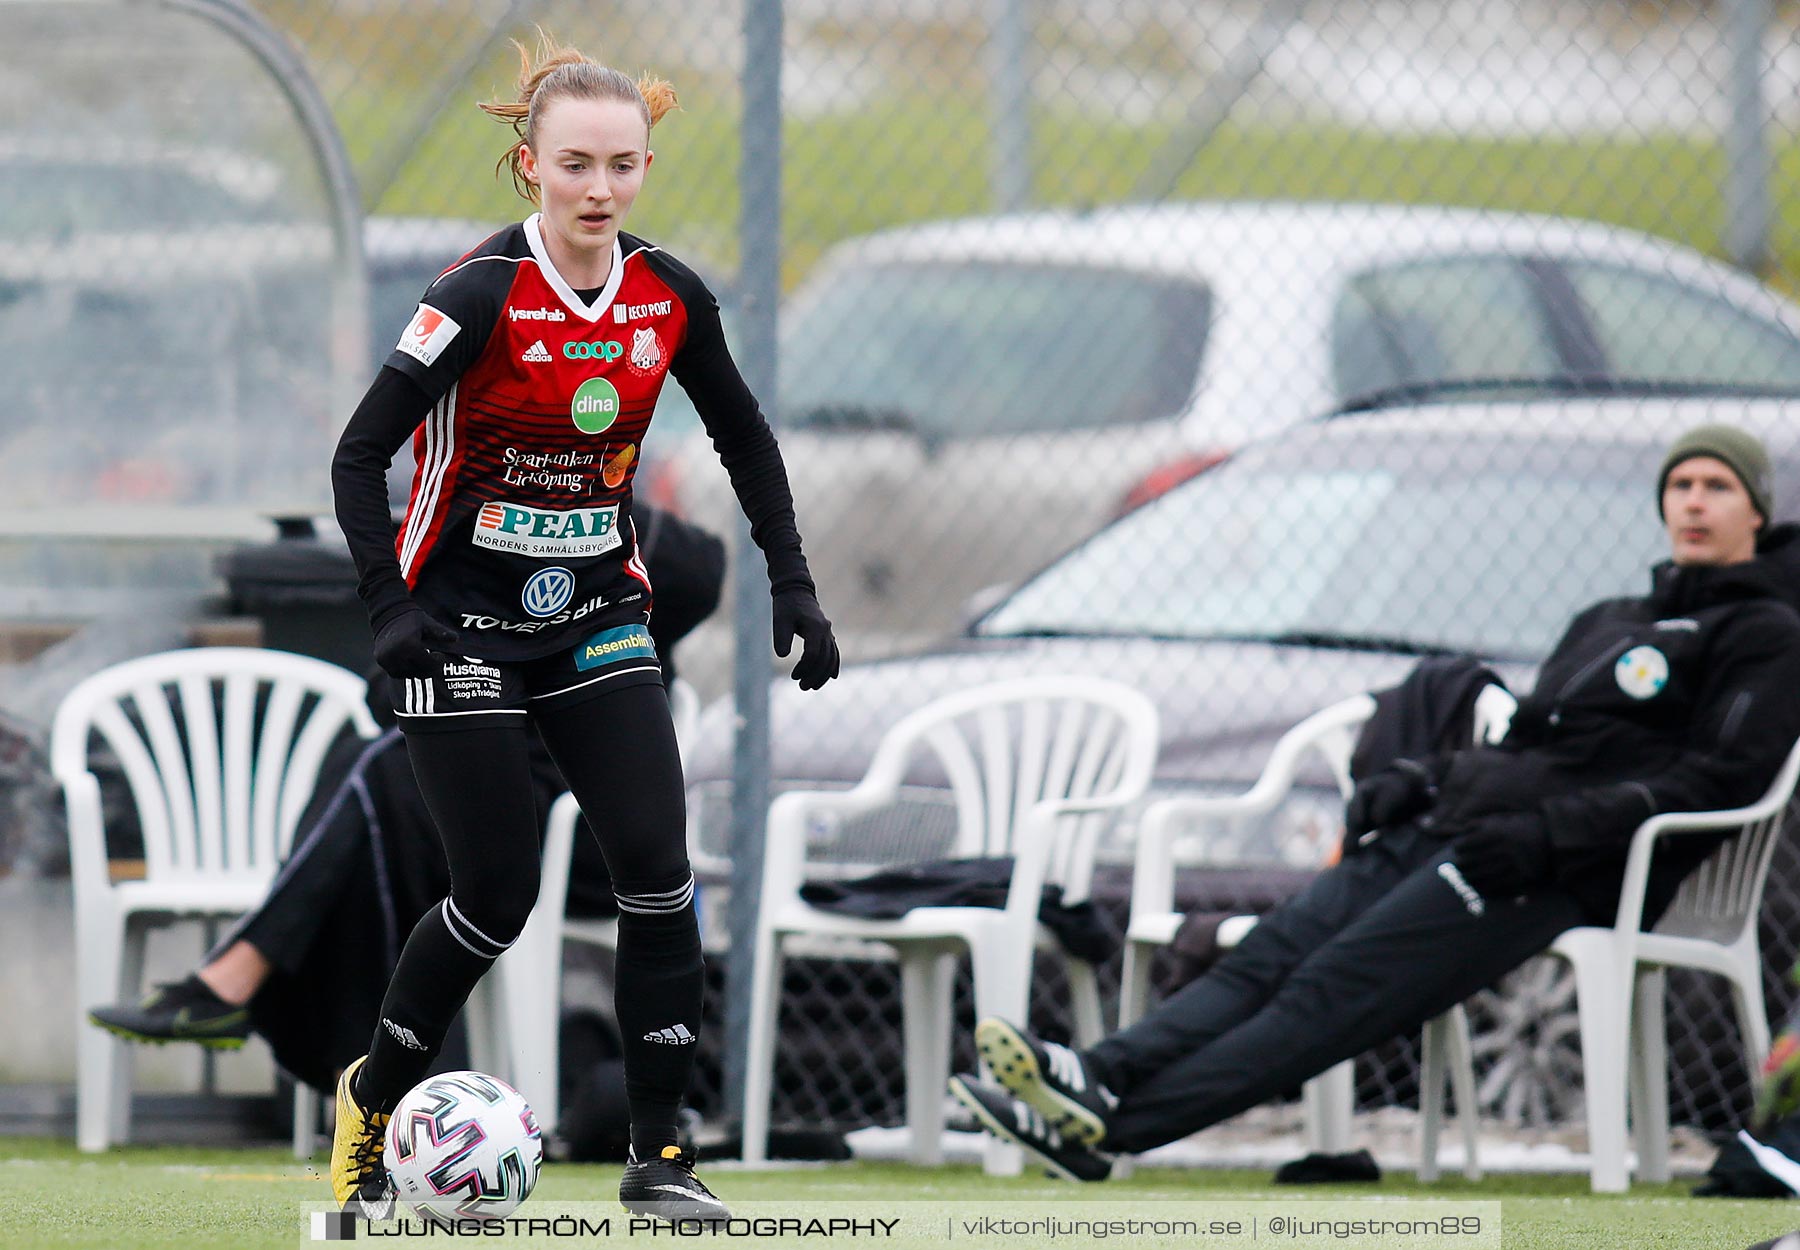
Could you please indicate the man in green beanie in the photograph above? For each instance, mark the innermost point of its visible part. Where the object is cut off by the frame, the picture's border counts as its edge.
(1458, 867)
(1741, 453)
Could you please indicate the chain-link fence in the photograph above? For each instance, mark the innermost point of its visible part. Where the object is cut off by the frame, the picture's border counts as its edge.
(1362, 326)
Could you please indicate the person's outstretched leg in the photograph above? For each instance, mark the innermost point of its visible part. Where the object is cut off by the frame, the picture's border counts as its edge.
(1247, 977)
(1416, 953)
(618, 754)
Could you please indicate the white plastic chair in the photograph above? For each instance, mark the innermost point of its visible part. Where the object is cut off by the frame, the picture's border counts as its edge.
(514, 1010)
(1329, 1098)
(1034, 768)
(1619, 974)
(221, 748)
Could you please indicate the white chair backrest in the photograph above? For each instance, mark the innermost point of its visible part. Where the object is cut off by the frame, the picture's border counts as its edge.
(1721, 897)
(221, 748)
(1005, 747)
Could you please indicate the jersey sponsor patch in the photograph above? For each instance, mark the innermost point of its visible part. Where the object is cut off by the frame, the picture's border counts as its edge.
(627, 642)
(631, 312)
(548, 591)
(537, 353)
(427, 335)
(547, 532)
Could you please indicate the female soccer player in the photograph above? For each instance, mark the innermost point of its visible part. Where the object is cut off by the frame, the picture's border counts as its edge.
(513, 594)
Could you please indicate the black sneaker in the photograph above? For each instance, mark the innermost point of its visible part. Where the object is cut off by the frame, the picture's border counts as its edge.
(178, 1011)
(1055, 1080)
(667, 1189)
(1013, 1121)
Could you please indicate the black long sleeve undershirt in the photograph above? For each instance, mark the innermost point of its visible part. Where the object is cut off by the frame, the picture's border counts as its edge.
(389, 412)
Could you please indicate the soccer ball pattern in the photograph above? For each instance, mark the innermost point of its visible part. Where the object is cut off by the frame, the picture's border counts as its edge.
(463, 1145)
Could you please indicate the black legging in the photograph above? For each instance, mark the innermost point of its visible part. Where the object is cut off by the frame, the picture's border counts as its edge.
(618, 754)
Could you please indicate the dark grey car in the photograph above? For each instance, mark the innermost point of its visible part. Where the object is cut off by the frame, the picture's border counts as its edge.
(1323, 561)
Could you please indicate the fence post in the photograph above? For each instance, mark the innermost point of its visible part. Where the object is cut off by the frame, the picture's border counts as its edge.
(759, 278)
(1746, 137)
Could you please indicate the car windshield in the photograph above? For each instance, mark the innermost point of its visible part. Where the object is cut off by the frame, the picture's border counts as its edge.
(972, 349)
(1421, 544)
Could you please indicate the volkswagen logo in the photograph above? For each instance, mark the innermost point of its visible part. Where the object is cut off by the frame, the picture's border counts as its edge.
(548, 592)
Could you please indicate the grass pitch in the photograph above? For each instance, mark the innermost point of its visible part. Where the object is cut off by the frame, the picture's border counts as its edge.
(154, 1196)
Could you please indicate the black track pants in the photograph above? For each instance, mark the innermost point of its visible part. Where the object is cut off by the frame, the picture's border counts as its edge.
(1370, 949)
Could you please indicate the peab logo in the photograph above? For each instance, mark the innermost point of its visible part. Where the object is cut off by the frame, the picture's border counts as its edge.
(548, 591)
(595, 406)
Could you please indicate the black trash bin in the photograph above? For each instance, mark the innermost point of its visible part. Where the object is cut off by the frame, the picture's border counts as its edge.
(303, 591)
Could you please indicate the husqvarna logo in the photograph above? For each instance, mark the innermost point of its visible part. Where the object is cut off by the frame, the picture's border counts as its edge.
(548, 591)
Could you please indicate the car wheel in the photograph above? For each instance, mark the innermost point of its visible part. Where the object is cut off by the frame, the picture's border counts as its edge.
(1527, 1046)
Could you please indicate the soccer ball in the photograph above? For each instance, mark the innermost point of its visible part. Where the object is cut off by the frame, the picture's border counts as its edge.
(463, 1145)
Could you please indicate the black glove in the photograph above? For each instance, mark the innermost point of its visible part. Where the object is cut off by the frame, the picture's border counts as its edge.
(1504, 856)
(404, 645)
(797, 611)
(1387, 798)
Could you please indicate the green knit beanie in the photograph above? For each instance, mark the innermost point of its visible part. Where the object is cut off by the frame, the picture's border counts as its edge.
(1746, 455)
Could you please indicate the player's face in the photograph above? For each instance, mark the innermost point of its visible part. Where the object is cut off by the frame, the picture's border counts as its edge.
(589, 166)
(1708, 514)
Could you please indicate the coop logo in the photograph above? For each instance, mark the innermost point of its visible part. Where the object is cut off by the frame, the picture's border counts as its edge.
(627, 642)
(548, 592)
(427, 335)
(546, 531)
(631, 312)
(537, 314)
(605, 349)
(595, 406)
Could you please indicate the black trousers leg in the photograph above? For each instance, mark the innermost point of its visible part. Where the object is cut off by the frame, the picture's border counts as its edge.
(1247, 977)
(1416, 952)
(332, 847)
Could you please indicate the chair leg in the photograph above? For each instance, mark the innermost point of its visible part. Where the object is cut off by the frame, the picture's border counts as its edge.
(529, 989)
(1752, 1014)
(1462, 1081)
(124, 1065)
(306, 1120)
(1328, 1101)
(759, 1067)
(99, 955)
(927, 979)
(1649, 1089)
(1434, 1045)
(1599, 989)
(1003, 989)
(1134, 983)
(1084, 999)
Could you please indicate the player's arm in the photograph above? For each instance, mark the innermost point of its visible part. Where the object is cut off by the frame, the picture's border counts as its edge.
(752, 459)
(389, 412)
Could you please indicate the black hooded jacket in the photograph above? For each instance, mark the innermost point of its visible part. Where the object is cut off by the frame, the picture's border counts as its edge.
(1687, 699)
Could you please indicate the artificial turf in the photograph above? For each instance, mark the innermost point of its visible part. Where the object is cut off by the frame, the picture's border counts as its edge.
(152, 1196)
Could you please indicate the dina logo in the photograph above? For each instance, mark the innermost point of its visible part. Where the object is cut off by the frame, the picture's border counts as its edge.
(548, 592)
(595, 406)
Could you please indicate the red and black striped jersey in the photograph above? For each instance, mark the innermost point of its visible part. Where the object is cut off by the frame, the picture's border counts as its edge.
(517, 533)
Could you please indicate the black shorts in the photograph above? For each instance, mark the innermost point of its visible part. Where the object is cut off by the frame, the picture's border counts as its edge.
(468, 693)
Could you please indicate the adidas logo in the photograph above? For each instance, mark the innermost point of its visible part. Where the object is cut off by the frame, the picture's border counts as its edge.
(536, 352)
(673, 1035)
(405, 1036)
